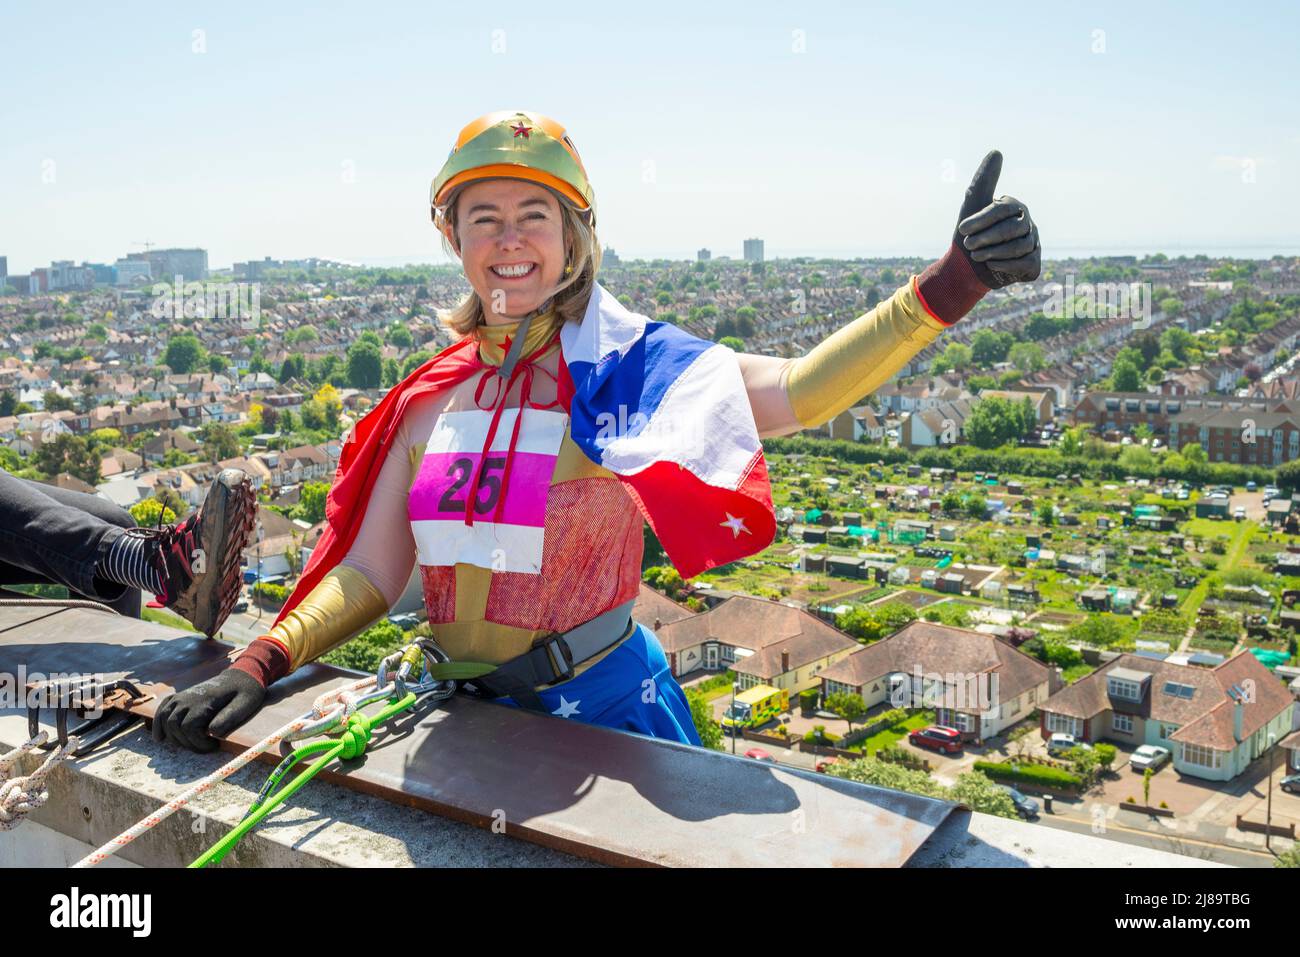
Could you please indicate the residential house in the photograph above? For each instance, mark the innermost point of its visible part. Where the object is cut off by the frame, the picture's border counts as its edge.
(977, 683)
(1214, 720)
(763, 641)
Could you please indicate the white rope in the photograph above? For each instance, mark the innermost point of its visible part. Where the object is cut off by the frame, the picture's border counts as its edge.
(329, 709)
(19, 796)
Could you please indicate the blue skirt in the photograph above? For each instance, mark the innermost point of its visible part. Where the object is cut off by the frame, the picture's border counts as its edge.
(630, 689)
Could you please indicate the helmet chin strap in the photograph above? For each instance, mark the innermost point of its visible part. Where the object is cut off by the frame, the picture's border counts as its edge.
(517, 344)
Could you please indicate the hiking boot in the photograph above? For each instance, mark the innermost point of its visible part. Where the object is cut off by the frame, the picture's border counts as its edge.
(199, 559)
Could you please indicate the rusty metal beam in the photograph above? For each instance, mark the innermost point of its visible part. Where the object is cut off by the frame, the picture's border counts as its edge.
(609, 796)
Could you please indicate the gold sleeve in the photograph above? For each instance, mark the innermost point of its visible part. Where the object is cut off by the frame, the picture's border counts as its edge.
(856, 359)
(344, 603)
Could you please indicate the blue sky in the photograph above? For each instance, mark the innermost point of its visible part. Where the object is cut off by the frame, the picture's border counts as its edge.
(824, 128)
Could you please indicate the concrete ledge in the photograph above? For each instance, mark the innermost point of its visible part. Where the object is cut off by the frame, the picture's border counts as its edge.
(324, 825)
(329, 826)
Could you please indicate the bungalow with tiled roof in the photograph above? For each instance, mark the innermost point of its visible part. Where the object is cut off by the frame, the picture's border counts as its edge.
(1214, 720)
(763, 641)
(979, 684)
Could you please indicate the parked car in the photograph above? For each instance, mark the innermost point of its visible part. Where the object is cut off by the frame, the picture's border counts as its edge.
(937, 738)
(1239, 512)
(241, 605)
(758, 754)
(1026, 807)
(1149, 756)
(1291, 784)
(1251, 486)
(1060, 743)
(404, 621)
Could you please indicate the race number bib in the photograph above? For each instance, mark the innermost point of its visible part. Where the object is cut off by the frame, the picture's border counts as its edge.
(511, 539)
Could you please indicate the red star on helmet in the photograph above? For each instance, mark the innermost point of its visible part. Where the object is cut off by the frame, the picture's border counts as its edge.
(521, 130)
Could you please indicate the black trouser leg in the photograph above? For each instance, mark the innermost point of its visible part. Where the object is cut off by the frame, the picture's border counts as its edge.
(57, 536)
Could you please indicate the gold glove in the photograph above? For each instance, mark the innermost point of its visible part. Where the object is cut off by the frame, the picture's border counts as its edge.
(342, 604)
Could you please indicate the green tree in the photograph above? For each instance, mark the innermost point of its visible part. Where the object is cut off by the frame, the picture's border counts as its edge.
(57, 403)
(365, 365)
(989, 347)
(996, 421)
(400, 336)
(311, 502)
(1027, 357)
(862, 624)
(392, 373)
(980, 794)
(302, 336)
(146, 513)
(848, 706)
(184, 353)
(710, 731)
(217, 364)
(68, 453)
(957, 356)
(1100, 630)
(293, 367)
(733, 343)
(219, 441)
(894, 615)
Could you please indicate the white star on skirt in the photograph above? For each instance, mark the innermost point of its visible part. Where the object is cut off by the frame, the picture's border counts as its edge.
(567, 709)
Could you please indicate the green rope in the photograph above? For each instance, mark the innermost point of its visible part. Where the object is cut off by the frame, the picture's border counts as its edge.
(351, 744)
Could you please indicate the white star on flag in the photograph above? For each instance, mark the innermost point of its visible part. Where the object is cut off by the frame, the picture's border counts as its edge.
(737, 525)
(567, 709)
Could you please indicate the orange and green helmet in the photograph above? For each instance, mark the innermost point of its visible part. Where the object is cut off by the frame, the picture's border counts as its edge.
(515, 145)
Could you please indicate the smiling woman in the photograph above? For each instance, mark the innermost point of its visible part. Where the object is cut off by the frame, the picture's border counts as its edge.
(493, 469)
(519, 246)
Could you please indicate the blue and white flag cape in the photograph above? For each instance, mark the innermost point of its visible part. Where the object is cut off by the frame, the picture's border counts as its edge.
(668, 413)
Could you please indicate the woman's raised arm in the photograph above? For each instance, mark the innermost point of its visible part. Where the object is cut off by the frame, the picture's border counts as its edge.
(995, 244)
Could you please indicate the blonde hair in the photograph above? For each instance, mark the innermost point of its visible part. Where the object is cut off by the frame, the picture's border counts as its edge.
(570, 297)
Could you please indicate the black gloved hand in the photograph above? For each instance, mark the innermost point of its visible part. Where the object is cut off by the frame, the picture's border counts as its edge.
(215, 707)
(997, 236)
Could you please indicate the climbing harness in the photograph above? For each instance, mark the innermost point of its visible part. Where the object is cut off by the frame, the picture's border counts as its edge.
(331, 711)
(21, 795)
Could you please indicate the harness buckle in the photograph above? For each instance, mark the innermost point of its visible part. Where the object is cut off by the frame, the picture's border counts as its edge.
(564, 654)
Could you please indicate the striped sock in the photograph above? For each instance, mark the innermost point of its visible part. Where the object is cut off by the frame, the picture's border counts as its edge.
(127, 563)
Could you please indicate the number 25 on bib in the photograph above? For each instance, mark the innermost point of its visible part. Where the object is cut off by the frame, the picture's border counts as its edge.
(513, 542)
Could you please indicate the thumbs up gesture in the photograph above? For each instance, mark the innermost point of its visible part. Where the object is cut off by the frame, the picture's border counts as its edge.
(997, 236)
